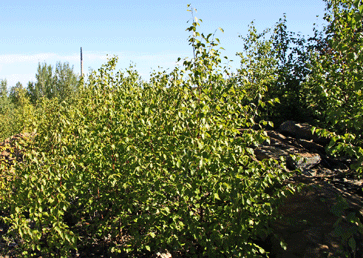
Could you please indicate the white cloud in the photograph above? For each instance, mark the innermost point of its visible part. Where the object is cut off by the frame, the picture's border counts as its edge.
(18, 58)
(91, 56)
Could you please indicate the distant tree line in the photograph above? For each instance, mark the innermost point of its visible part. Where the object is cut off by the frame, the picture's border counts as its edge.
(51, 82)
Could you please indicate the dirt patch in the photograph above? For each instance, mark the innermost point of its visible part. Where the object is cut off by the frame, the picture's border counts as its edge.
(308, 225)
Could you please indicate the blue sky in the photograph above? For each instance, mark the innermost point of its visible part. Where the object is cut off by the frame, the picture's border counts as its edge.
(148, 33)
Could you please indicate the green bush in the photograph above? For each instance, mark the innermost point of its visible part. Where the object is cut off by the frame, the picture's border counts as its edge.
(147, 167)
(333, 90)
(274, 66)
(16, 118)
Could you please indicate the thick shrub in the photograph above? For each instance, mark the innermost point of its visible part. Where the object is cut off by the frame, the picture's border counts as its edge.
(16, 118)
(274, 66)
(146, 167)
(333, 91)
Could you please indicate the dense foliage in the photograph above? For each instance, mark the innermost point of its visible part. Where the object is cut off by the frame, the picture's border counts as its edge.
(18, 105)
(333, 90)
(16, 111)
(61, 84)
(275, 62)
(143, 167)
(318, 80)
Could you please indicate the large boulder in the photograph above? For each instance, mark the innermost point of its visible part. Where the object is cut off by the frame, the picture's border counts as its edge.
(301, 131)
(296, 156)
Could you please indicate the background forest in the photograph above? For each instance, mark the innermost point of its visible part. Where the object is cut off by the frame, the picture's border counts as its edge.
(156, 165)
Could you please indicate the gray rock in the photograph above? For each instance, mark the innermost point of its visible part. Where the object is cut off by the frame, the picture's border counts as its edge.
(303, 160)
(302, 131)
(292, 149)
(311, 146)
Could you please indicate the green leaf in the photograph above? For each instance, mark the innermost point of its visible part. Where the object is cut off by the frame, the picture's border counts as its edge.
(201, 163)
(352, 244)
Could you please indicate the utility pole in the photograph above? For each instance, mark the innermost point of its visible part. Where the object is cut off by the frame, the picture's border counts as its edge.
(81, 63)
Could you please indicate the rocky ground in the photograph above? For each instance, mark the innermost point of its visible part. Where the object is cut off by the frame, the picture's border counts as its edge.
(309, 217)
(309, 224)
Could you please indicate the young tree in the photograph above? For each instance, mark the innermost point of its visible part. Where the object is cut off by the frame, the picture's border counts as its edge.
(3, 88)
(4, 98)
(273, 67)
(65, 81)
(43, 87)
(16, 112)
(258, 68)
(16, 92)
(291, 51)
(61, 82)
(334, 88)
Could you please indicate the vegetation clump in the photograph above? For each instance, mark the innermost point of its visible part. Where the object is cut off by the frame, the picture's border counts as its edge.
(143, 167)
